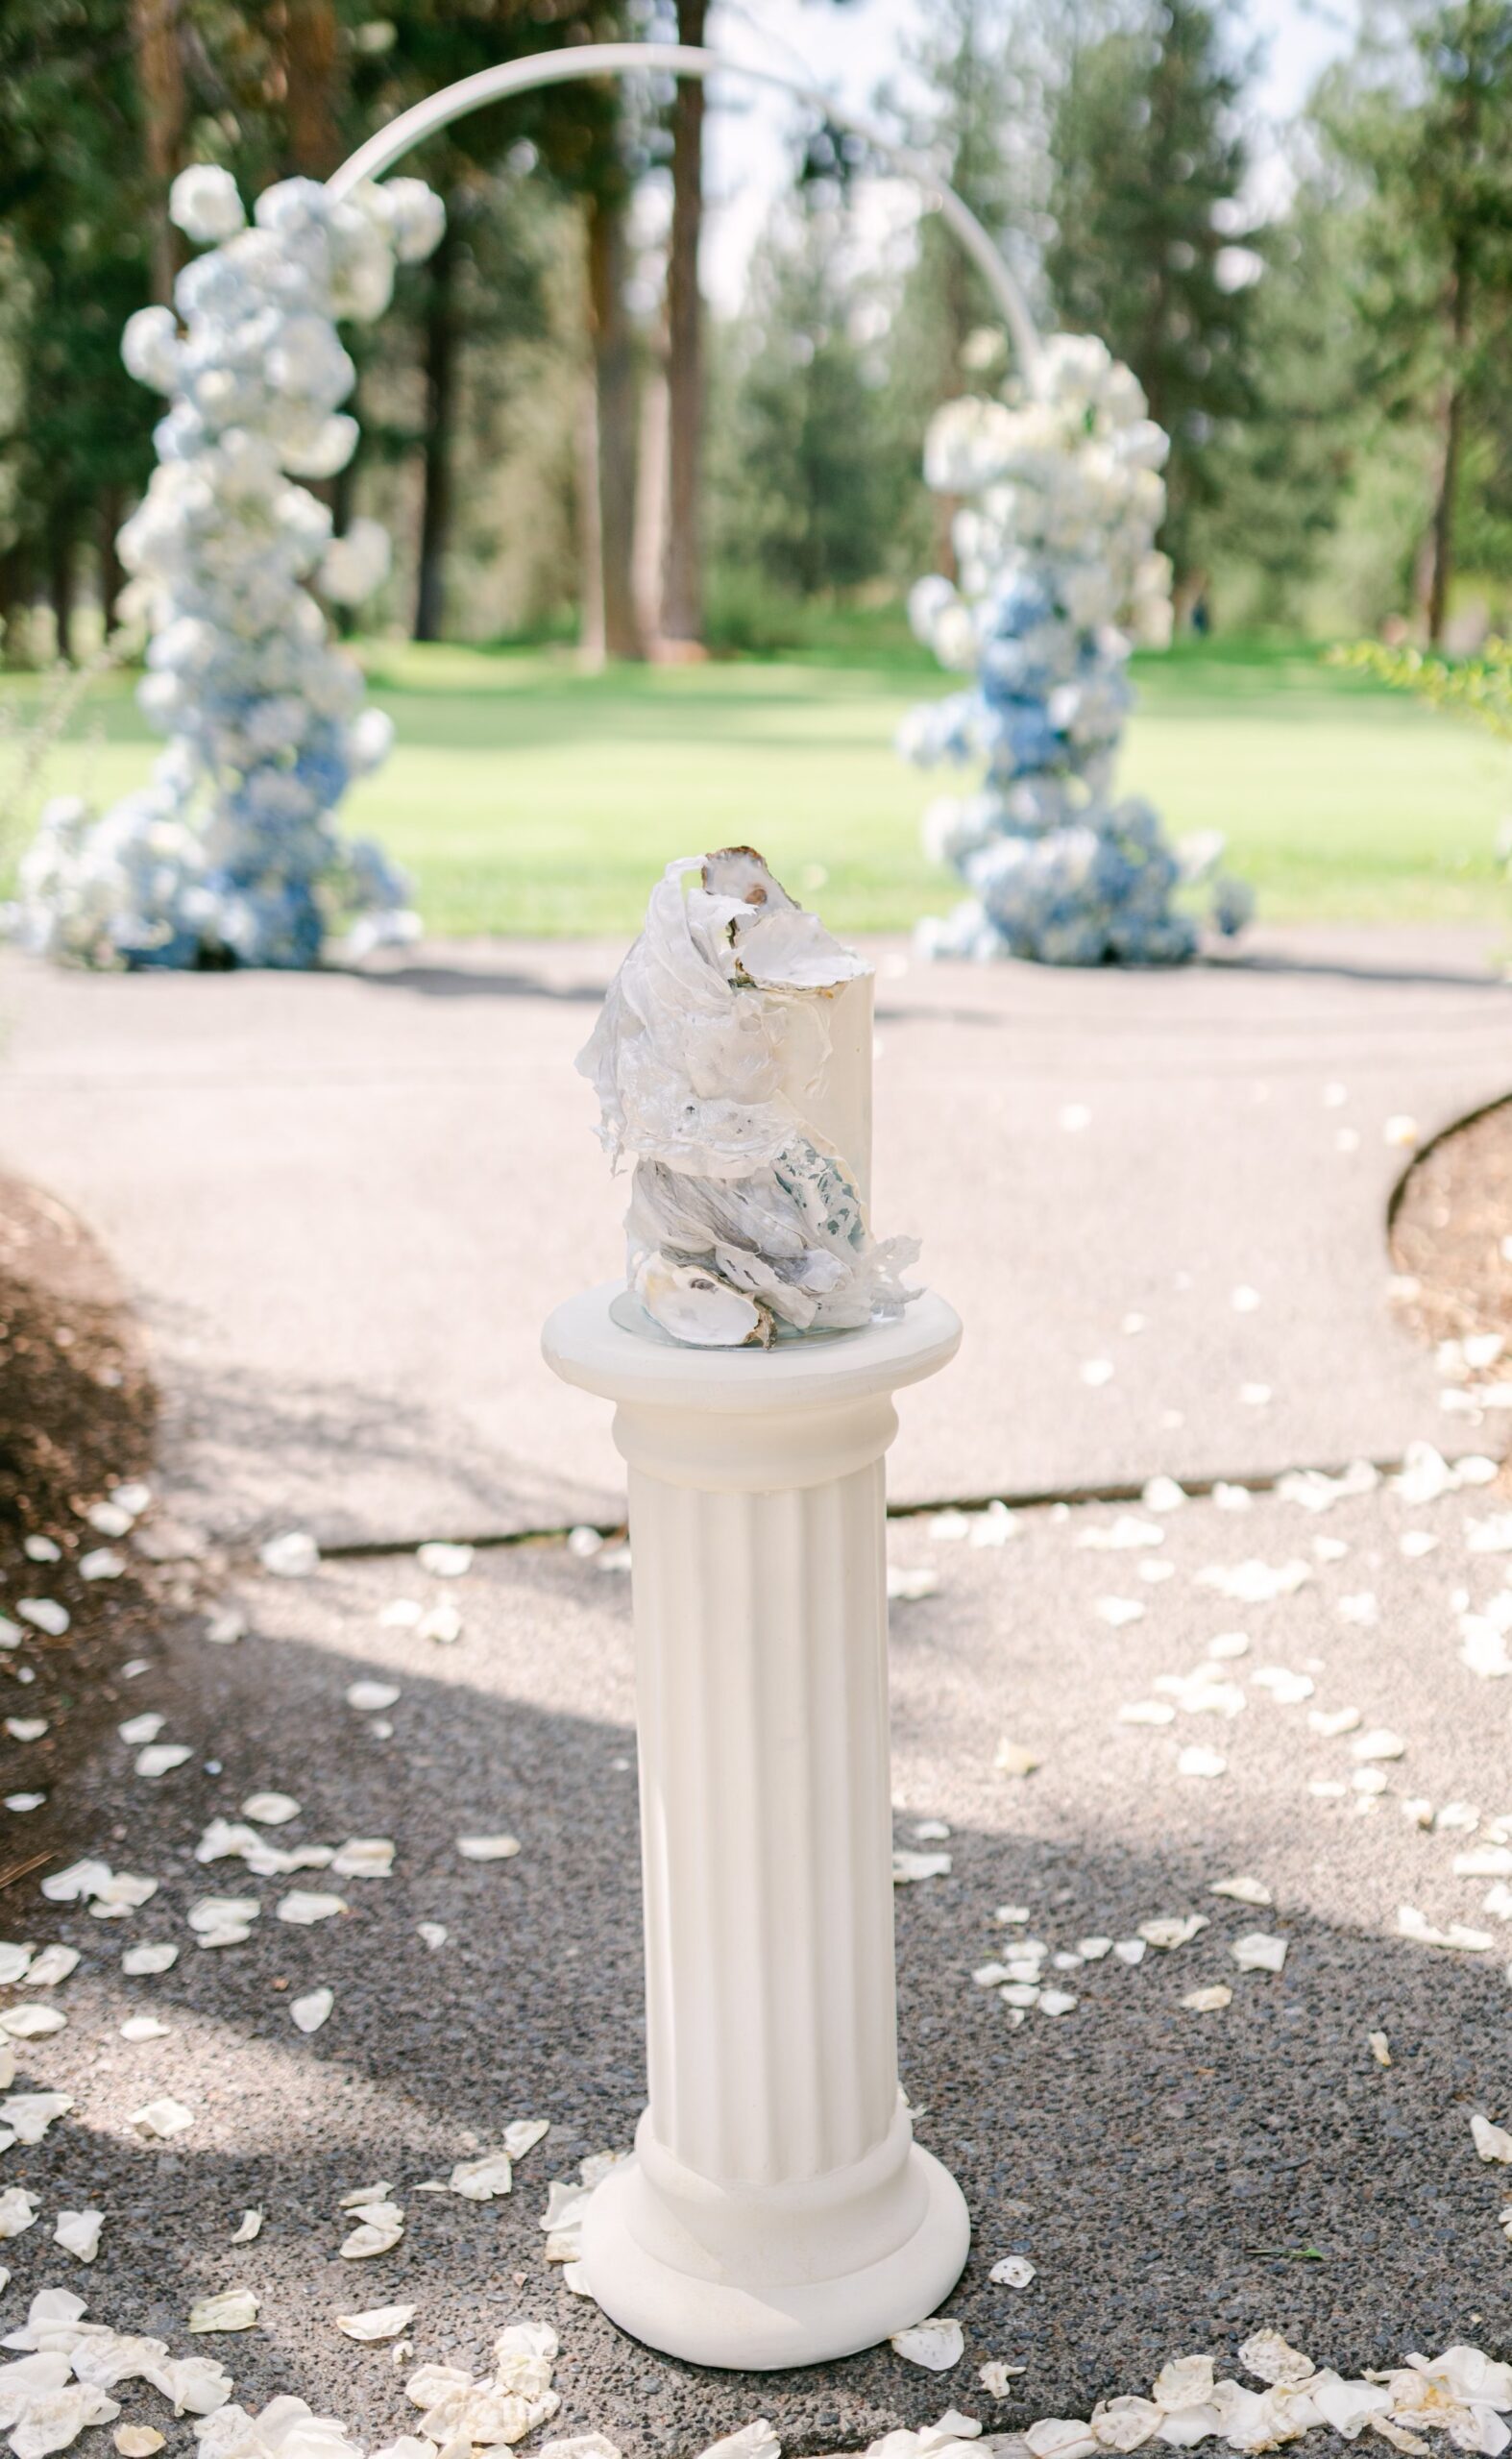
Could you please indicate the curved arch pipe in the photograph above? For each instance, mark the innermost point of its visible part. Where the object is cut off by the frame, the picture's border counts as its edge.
(392, 143)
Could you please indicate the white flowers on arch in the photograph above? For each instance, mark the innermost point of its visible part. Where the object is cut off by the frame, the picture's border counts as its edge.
(1059, 579)
(231, 854)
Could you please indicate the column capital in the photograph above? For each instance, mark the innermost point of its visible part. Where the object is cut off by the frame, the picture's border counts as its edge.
(746, 1420)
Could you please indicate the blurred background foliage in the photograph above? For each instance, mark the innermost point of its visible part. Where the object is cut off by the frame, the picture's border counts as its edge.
(568, 444)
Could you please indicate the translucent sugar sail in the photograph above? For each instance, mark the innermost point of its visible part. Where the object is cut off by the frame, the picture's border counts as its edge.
(732, 1063)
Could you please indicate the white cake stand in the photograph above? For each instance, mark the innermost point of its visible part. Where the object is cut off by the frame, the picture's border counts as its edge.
(776, 2210)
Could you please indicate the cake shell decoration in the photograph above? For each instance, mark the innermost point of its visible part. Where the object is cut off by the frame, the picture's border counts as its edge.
(732, 1060)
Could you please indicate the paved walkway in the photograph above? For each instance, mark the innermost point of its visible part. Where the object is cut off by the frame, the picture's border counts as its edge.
(345, 1203)
(345, 1207)
(1167, 2170)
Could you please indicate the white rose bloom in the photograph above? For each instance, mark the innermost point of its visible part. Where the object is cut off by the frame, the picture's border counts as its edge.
(150, 348)
(203, 201)
(232, 849)
(416, 218)
(357, 564)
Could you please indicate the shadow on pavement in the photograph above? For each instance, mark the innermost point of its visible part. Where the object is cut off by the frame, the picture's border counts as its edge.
(1340, 969)
(471, 981)
(1171, 2174)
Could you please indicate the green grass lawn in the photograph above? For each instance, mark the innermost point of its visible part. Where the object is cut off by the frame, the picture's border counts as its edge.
(525, 796)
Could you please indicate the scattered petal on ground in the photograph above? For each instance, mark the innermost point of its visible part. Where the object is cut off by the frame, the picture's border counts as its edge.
(480, 2181)
(371, 1698)
(906, 1586)
(163, 2117)
(29, 2114)
(17, 2210)
(381, 2227)
(445, 1562)
(1015, 1759)
(270, 1810)
(293, 1555)
(311, 2011)
(232, 2309)
(78, 2232)
(44, 1613)
(936, 2345)
(32, 2023)
(1258, 1952)
(161, 1758)
(379, 2323)
(145, 1959)
(304, 1908)
(1197, 1762)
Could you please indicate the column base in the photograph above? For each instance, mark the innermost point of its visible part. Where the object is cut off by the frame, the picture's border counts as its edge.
(707, 2319)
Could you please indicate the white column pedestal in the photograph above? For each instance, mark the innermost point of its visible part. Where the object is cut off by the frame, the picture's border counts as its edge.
(776, 2210)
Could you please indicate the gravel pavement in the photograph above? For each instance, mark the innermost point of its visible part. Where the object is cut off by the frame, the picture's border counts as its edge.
(1177, 2178)
(345, 1205)
(344, 1209)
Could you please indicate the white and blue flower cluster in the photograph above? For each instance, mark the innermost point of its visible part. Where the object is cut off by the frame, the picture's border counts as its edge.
(1059, 579)
(231, 855)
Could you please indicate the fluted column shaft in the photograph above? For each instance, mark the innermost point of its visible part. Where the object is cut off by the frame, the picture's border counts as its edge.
(777, 2209)
(765, 1823)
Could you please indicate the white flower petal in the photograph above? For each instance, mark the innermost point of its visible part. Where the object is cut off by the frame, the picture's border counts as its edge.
(232, 2309)
(78, 2232)
(164, 2117)
(936, 2344)
(379, 2323)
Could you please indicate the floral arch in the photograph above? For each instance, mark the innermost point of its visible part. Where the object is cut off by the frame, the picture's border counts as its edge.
(232, 853)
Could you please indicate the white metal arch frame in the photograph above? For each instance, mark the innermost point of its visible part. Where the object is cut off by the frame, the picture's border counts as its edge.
(382, 151)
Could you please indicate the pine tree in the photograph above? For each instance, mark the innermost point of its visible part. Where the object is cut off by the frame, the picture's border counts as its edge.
(1422, 120)
(1149, 167)
(808, 493)
(979, 61)
(76, 258)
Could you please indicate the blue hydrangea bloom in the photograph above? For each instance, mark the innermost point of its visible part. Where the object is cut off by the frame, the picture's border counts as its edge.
(1059, 578)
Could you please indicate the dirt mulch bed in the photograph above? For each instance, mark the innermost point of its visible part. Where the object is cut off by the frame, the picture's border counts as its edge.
(1448, 1226)
(77, 1413)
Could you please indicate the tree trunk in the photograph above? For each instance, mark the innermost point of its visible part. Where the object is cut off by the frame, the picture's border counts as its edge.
(682, 596)
(310, 86)
(113, 579)
(61, 578)
(342, 496)
(13, 606)
(160, 82)
(590, 527)
(651, 505)
(1441, 542)
(441, 369)
(614, 385)
(1441, 558)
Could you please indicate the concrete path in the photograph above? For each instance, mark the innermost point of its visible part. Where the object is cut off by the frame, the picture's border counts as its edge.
(1178, 2177)
(344, 1204)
